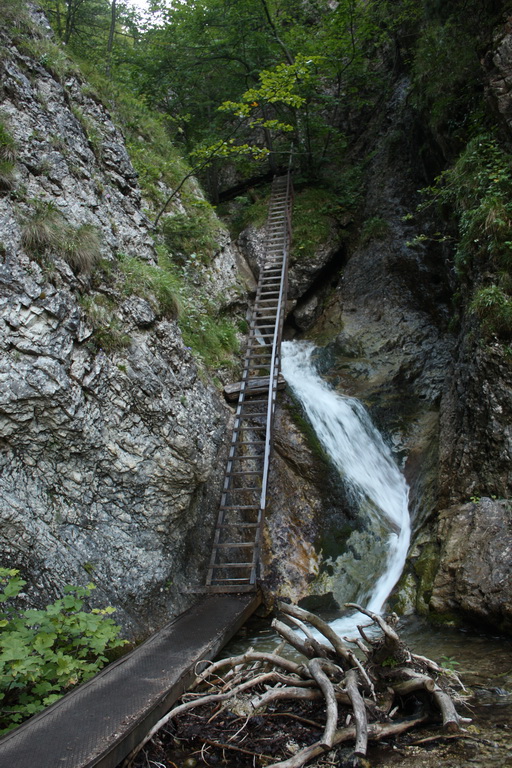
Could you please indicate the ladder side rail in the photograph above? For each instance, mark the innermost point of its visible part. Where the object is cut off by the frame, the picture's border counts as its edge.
(275, 364)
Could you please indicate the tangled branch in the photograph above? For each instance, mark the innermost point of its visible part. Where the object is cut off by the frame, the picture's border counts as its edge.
(365, 694)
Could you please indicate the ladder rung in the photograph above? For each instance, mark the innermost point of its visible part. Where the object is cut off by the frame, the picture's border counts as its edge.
(226, 589)
(219, 581)
(245, 506)
(251, 442)
(240, 525)
(233, 544)
(222, 566)
(247, 458)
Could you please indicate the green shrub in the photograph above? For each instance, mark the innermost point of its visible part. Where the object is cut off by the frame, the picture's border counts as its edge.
(44, 653)
(374, 229)
(109, 334)
(494, 308)
(47, 233)
(195, 231)
(159, 285)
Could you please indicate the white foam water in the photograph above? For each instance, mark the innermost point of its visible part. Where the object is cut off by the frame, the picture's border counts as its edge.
(364, 461)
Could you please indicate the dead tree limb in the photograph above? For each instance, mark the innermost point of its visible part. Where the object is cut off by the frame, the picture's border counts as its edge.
(376, 732)
(325, 685)
(359, 710)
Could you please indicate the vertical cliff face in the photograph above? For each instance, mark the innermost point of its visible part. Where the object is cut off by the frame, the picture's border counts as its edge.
(441, 394)
(109, 435)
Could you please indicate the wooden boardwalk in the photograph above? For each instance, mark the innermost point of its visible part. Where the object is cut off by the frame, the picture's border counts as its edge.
(97, 724)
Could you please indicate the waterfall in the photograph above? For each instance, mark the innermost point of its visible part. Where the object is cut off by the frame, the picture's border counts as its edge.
(365, 464)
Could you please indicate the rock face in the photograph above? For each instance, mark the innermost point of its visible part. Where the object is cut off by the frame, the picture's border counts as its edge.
(109, 457)
(474, 573)
(474, 576)
(499, 65)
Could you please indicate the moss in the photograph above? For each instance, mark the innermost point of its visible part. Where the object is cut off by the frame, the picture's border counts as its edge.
(301, 421)
(425, 568)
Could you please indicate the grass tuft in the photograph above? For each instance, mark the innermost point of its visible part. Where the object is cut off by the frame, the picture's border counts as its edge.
(47, 233)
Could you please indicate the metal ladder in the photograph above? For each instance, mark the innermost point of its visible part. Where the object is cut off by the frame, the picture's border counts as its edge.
(236, 552)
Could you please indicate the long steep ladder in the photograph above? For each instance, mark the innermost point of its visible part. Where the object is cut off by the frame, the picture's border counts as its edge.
(235, 559)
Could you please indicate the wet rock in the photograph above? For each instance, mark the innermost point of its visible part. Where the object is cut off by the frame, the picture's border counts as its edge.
(476, 414)
(474, 579)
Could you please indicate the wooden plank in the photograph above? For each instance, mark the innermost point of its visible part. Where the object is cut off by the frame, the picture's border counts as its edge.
(255, 386)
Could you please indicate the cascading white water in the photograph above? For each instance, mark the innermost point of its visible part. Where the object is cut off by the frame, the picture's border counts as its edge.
(364, 461)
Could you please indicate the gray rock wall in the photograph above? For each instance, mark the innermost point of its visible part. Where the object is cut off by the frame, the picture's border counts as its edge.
(108, 458)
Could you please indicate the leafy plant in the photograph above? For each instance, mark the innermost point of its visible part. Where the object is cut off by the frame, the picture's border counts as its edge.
(45, 652)
(109, 334)
(160, 285)
(494, 308)
(374, 228)
(8, 154)
(47, 233)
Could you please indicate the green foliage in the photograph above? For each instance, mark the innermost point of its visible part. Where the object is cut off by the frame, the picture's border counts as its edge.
(8, 146)
(374, 228)
(312, 221)
(51, 56)
(6, 174)
(92, 132)
(108, 332)
(43, 653)
(8, 155)
(15, 14)
(479, 189)
(494, 308)
(447, 75)
(212, 337)
(160, 285)
(46, 233)
(245, 210)
(195, 232)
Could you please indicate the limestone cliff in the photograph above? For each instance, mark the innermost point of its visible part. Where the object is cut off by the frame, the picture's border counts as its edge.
(110, 438)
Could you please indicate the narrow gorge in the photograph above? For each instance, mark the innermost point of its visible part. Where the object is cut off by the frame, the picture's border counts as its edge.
(117, 336)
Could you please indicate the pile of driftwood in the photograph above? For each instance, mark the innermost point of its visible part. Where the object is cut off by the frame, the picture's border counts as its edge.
(336, 695)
